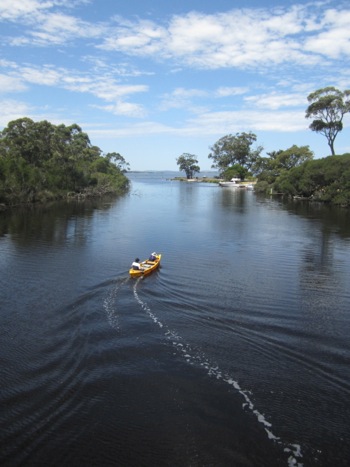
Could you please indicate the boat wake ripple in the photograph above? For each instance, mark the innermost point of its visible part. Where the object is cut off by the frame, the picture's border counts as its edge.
(194, 357)
(109, 304)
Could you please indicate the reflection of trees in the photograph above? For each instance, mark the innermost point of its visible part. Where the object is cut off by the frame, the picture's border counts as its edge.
(188, 196)
(333, 218)
(318, 272)
(230, 207)
(321, 285)
(234, 198)
(56, 224)
(317, 262)
(321, 278)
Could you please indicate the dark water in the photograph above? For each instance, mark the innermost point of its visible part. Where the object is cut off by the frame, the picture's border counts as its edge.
(235, 353)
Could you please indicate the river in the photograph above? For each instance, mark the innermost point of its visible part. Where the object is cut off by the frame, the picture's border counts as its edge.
(234, 353)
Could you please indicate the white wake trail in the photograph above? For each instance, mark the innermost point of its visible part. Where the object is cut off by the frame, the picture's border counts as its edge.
(194, 357)
(109, 304)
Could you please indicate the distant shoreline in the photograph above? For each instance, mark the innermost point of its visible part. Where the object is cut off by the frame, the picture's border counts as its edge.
(216, 180)
(196, 179)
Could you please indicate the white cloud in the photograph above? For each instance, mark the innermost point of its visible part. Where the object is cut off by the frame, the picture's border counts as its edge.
(103, 87)
(230, 91)
(276, 100)
(127, 109)
(240, 38)
(334, 39)
(122, 69)
(44, 25)
(184, 98)
(237, 121)
(12, 110)
(9, 84)
(45, 75)
(57, 28)
(17, 9)
(141, 38)
(29, 9)
(181, 97)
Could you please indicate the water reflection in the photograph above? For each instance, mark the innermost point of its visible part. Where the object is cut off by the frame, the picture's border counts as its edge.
(233, 198)
(54, 223)
(333, 218)
(188, 195)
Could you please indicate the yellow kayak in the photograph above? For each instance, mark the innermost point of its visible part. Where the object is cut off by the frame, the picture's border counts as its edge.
(147, 267)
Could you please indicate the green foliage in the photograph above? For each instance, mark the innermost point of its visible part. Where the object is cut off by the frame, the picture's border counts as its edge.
(118, 160)
(188, 164)
(326, 180)
(328, 107)
(230, 150)
(292, 157)
(39, 160)
(280, 162)
(236, 171)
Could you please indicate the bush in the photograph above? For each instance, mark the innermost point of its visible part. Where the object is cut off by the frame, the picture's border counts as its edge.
(326, 180)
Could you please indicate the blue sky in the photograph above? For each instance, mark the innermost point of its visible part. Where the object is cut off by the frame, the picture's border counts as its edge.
(153, 80)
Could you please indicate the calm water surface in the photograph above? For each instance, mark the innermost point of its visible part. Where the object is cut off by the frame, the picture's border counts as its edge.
(235, 353)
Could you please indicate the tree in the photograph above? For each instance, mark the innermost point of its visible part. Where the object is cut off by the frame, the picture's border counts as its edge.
(119, 160)
(295, 156)
(230, 150)
(188, 164)
(325, 180)
(236, 171)
(39, 160)
(328, 107)
(281, 161)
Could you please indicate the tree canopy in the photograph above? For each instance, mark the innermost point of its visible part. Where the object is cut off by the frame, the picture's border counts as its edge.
(236, 171)
(269, 168)
(328, 107)
(119, 161)
(231, 150)
(326, 180)
(188, 164)
(39, 160)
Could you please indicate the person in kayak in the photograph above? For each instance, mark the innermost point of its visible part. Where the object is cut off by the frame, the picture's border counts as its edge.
(136, 264)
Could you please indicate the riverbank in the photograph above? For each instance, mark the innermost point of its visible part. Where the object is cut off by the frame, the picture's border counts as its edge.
(210, 180)
(196, 179)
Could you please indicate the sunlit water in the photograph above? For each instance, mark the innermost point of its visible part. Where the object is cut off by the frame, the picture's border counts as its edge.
(234, 353)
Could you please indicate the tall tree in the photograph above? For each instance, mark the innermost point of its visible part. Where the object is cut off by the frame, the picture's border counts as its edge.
(119, 161)
(188, 164)
(278, 162)
(230, 150)
(19, 139)
(328, 107)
